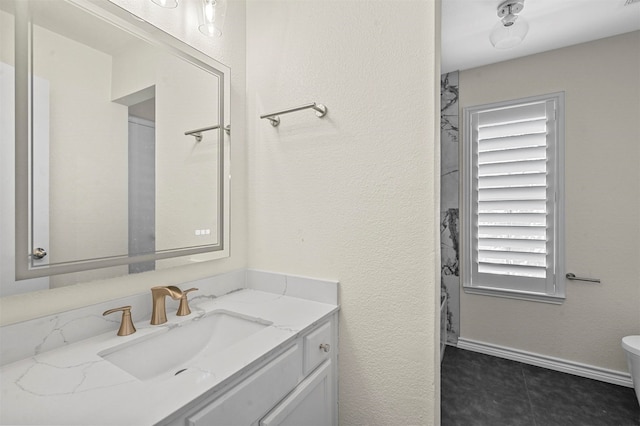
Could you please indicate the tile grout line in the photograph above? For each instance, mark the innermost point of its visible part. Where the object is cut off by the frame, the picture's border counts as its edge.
(533, 414)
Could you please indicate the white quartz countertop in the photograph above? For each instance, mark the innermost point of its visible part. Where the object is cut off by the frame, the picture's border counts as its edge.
(73, 385)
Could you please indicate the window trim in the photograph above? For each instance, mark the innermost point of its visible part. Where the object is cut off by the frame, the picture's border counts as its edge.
(557, 295)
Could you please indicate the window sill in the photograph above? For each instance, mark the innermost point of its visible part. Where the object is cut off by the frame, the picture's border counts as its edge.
(520, 295)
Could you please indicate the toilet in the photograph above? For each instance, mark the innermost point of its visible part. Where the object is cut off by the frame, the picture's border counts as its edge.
(631, 345)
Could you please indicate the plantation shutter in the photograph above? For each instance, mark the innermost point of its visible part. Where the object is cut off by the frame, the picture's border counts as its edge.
(513, 197)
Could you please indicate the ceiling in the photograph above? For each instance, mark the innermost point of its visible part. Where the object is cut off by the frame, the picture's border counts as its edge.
(76, 24)
(466, 25)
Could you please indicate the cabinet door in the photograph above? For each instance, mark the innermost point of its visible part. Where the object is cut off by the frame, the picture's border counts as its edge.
(310, 403)
(248, 401)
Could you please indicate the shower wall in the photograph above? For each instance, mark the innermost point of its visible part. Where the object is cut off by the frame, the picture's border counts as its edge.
(449, 204)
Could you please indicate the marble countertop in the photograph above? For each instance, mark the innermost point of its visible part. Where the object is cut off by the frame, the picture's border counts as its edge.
(73, 385)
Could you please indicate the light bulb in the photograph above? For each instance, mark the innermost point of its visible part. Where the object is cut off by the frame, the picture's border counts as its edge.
(209, 24)
(169, 4)
(209, 11)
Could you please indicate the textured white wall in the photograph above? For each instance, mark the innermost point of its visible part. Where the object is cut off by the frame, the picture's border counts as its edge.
(353, 196)
(602, 86)
(229, 49)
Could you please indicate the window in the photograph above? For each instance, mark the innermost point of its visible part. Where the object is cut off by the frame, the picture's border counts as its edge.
(513, 199)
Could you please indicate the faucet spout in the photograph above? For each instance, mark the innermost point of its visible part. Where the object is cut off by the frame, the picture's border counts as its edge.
(158, 295)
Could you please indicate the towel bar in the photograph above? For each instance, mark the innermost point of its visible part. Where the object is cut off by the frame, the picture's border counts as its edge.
(573, 277)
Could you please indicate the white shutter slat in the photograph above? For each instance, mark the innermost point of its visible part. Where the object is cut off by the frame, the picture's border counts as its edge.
(503, 194)
(512, 233)
(511, 114)
(522, 206)
(514, 168)
(510, 219)
(523, 246)
(512, 181)
(513, 129)
(522, 271)
(511, 142)
(537, 260)
(512, 155)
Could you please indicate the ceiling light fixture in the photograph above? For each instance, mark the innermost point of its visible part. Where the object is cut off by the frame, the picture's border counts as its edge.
(212, 17)
(511, 29)
(169, 4)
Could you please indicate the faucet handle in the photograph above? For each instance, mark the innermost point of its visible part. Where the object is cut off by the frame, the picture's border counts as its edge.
(183, 309)
(126, 325)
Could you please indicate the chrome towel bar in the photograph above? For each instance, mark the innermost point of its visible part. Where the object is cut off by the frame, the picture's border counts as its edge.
(320, 109)
(197, 133)
(573, 277)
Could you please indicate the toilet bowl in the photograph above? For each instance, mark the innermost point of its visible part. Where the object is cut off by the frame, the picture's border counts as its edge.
(631, 345)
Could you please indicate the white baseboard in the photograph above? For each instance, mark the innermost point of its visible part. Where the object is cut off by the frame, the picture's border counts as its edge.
(551, 363)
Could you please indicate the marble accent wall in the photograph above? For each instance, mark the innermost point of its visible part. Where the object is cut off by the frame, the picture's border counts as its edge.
(449, 202)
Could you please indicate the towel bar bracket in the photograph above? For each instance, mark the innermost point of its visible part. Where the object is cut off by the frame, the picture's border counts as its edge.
(275, 121)
(321, 110)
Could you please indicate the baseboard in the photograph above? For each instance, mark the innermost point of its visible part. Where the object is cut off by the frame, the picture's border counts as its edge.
(557, 364)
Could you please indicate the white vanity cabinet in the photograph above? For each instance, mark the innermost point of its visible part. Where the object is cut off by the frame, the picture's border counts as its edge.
(259, 348)
(295, 386)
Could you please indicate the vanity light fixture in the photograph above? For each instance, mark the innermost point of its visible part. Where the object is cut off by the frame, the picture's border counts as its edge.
(212, 18)
(169, 4)
(511, 29)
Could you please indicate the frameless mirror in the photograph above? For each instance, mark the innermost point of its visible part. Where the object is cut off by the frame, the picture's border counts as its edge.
(121, 163)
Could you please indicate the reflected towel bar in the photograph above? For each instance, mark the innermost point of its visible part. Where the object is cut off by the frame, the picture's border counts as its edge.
(197, 133)
(573, 277)
(320, 109)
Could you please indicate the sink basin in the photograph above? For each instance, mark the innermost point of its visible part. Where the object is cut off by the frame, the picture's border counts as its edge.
(169, 351)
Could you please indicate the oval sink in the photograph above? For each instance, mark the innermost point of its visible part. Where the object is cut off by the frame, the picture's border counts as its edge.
(169, 351)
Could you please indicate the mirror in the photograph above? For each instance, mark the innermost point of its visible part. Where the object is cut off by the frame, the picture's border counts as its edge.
(121, 152)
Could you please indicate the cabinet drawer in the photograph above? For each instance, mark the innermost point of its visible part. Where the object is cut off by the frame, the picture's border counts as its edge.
(317, 347)
(248, 401)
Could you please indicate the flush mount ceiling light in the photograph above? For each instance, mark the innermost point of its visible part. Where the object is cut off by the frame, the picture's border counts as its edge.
(511, 29)
(169, 4)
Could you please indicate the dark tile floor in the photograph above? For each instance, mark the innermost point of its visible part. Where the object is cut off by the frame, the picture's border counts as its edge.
(482, 390)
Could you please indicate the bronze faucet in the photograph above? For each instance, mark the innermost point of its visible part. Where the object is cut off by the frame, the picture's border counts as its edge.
(158, 294)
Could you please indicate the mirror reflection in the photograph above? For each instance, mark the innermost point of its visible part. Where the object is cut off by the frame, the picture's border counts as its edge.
(114, 181)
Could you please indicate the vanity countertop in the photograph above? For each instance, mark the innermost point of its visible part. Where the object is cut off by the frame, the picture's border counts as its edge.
(73, 385)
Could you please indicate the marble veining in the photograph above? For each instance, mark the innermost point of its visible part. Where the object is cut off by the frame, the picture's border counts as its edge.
(69, 379)
(449, 105)
(56, 337)
(73, 384)
(449, 204)
(44, 334)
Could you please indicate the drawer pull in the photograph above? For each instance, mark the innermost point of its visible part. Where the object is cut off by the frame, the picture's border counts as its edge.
(325, 347)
